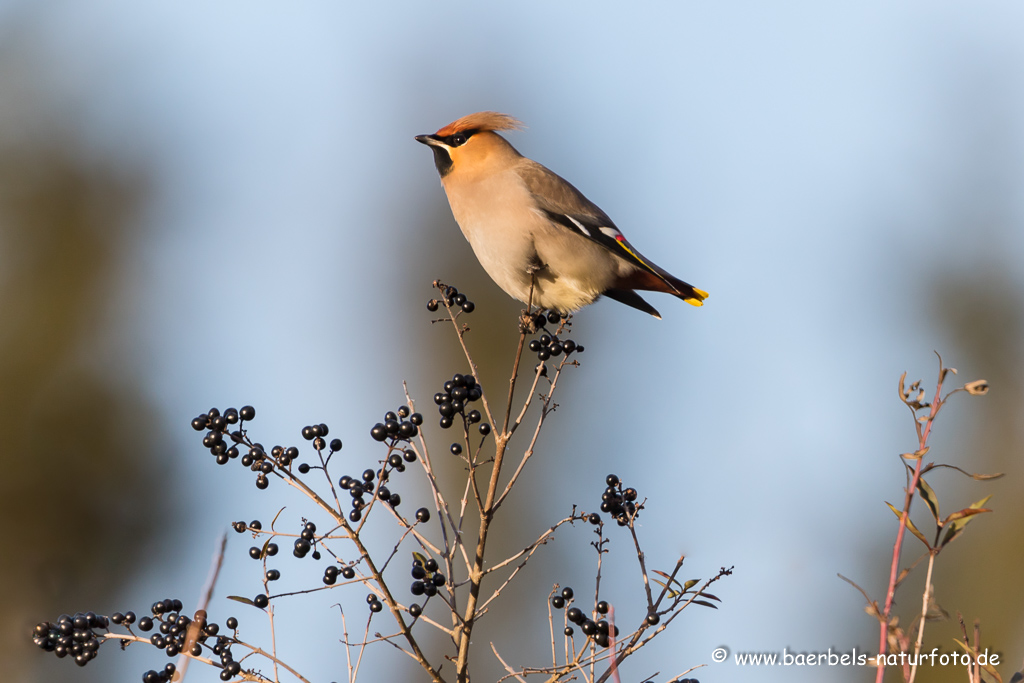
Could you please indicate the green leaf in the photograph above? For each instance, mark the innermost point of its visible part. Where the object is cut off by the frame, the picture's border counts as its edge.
(928, 494)
(690, 584)
(705, 603)
(239, 598)
(910, 525)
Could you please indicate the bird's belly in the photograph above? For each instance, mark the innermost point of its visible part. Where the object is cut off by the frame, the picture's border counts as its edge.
(507, 261)
(566, 271)
(522, 248)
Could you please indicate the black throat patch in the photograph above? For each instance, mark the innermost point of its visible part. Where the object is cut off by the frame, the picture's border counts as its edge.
(442, 159)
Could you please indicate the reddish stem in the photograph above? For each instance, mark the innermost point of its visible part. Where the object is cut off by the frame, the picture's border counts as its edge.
(898, 546)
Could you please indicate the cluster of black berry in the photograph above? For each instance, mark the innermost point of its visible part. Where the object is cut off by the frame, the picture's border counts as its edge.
(303, 545)
(172, 629)
(540, 320)
(452, 297)
(72, 636)
(332, 572)
(426, 578)
(316, 434)
(306, 542)
(396, 427)
(222, 649)
(547, 346)
(374, 602)
(218, 426)
(619, 502)
(176, 628)
(75, 636)
(597, 630)
(162, 676)
(459, 392)
(358, 487)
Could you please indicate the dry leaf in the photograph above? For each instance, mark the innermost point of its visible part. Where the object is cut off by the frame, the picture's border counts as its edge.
(977, 388)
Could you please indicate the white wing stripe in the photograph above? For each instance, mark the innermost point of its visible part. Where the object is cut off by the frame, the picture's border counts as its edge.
(579, 225)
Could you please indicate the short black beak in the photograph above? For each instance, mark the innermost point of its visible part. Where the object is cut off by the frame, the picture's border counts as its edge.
(442, 153)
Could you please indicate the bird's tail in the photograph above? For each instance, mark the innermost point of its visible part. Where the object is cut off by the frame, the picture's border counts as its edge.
(687, 292)
(659, 280)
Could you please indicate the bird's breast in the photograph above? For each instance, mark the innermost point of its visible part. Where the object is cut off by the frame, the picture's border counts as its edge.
(511, 237)
(497, 217)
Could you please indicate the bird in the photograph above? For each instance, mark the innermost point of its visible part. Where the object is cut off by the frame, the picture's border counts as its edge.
(538, 237)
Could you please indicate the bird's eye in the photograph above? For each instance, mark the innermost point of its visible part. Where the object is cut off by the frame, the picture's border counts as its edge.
(458, 139)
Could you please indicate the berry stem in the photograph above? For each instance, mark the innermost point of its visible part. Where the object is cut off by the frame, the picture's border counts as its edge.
(536, 432)
(512, 384)
(392, 604)
(515, 366)
(643, 566)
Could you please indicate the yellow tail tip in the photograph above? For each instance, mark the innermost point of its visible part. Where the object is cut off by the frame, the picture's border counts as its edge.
(699, 299)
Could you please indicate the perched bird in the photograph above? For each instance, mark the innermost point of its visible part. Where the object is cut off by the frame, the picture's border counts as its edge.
(536, 235)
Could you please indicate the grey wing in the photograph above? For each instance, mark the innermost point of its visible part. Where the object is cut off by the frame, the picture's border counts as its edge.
(556, 195)
(564, 204)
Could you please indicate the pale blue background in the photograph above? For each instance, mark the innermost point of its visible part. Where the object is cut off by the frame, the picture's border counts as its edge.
(801, 161)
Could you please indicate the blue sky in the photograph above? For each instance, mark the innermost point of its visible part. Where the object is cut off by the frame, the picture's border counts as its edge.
(803, 162)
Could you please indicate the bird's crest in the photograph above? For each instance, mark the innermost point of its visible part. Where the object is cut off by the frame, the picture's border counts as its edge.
(482, 120)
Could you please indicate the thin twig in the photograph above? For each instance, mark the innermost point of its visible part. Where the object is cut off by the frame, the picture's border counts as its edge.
(614, 667)
(975, 664)
(200, 614)
(440, 504)
(509, 669)
(529, 396)
(643, 565)
(528, 453)
(487, 510)
(599, 545)
(515, 365)
(460, 332)
(901, 531)
(541, 540)
(375, 573)
(551, 625)
(925, 600)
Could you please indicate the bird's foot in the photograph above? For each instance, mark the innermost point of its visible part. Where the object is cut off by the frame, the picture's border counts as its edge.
(530, 322)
